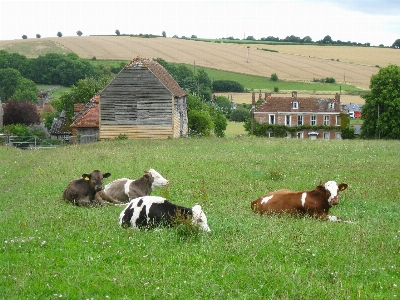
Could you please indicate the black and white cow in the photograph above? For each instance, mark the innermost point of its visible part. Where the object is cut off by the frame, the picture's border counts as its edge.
(153, 211)
(125, 189)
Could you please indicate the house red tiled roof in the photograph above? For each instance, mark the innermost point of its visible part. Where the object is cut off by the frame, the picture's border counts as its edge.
(89, 115)
(161, 73)
(309, 104)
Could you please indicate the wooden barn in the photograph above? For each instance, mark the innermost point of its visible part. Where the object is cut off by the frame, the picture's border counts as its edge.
(143, 101)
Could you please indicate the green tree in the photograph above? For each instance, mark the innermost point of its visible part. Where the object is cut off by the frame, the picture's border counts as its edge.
(38, 36)
(274, 77)
(327, 40)
(223, 105)
(26, 91)
(59, 34)
(24, 37)
(396, 44)
(381, 111)
(240, 114)
(9, 79)
(79, 33)
(164, 34)
(117, 32)
(82, 92)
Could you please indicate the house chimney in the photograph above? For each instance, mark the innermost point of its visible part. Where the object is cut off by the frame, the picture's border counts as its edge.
(337, 97)
(294, 94)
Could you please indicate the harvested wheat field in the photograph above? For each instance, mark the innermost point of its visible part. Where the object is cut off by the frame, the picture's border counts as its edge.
(351, 65)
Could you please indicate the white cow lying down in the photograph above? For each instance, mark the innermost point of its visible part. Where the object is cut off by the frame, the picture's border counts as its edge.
(153, 211)
(125, 189)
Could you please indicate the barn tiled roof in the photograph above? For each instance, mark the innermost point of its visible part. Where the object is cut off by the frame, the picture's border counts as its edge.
(309, 104)
(60, 125)
(89, 115)
(161, 73)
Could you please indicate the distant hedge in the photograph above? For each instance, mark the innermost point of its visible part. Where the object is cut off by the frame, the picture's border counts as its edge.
(227, 86)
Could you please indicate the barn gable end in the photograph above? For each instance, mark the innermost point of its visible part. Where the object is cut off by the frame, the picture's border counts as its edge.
(143, 101)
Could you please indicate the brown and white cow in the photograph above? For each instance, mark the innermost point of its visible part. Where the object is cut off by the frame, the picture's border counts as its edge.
(315, 203)
(88, 190)
(125, 189)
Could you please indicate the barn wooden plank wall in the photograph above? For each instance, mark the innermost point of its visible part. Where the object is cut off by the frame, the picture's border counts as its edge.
(136, 97)
(136, 132)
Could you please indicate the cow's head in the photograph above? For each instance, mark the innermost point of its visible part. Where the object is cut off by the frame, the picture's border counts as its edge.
(96, 179)
(199, 218)
(159, 181)
(333, 188)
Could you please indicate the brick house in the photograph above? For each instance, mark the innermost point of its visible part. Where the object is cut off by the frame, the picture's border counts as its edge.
(308, 114)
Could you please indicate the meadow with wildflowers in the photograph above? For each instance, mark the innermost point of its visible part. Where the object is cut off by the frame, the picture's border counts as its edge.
(52, 250)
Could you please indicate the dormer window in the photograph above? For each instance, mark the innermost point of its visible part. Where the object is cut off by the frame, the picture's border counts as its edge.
(295, 104)
(331, 105)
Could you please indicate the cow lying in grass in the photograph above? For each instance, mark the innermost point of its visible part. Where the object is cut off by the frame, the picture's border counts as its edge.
(88, 190)
(315, 203)
(125, 189)
(154, 211)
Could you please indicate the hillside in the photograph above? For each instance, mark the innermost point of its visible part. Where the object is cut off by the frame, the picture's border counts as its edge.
(352, 65)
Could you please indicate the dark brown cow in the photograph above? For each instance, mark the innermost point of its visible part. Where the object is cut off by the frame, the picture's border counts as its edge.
(88, 190)
(315, 203)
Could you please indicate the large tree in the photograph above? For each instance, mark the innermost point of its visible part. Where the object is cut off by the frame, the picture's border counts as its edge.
(20, 113)
(396, 44)
(382, 105)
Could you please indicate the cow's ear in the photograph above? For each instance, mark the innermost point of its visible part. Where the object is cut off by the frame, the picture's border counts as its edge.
(86, 176)
(106, 175)
(342, 186)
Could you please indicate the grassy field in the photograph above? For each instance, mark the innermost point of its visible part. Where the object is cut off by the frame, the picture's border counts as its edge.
(50, 249)
(347, 64)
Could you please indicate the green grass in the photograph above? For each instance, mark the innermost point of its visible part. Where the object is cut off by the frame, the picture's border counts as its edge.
(252, 82)
(235, 128)
(50, 249)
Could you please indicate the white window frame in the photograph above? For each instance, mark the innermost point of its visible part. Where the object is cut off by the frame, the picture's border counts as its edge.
(300, 135)
(313, 120)
(327, 120)
(326, 135)
(288, 120)
(272, 119)
(338, 135)
(295, 104)
(331, 105)
(300, 120)
(338, 120)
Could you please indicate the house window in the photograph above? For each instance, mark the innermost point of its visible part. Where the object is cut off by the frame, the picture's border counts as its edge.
(313, 120)
(270, 134)
(295, 104)
(300, 134)
(288, 119)
(326, 120)
(338, 135)
(338, 120)
(288, 135)
(326, 135)
(331, 105)
(299, 120)
(272, 119)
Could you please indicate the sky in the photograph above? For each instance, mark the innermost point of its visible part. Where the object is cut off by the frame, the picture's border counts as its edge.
(363, 21)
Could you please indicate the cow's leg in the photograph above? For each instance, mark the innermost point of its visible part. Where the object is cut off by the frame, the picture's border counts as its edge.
(106, 197)
(83, 202)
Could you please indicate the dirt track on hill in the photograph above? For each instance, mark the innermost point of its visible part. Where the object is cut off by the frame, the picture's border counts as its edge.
(351, 65)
